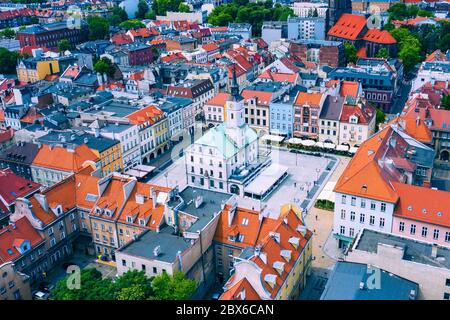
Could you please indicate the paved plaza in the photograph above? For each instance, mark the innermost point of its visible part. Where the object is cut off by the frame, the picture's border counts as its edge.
(300, 187)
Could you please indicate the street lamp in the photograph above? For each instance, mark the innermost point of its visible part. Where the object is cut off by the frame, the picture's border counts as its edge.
(167, 181)
(317, 179)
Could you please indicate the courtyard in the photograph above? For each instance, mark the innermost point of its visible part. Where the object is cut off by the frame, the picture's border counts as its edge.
(307, 174)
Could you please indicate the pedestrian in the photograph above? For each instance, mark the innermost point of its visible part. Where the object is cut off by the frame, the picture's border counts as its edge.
(316, 217)
(295, 184)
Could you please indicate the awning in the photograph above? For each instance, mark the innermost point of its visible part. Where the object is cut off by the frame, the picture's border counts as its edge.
(329, 145)
(272, 137)
(295, 141)
(353, 150)
(327, 192)
(342, 147)
(308, 143)
(319, 144)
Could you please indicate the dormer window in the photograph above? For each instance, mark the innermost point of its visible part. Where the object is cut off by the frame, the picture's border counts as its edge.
(142, 222)
(271, 280)
(129, 219)
(279, 266)
(245, 221)
(294, 241)
(286, 254)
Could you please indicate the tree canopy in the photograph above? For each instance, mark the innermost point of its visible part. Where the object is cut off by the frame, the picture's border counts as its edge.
(132, 24)
(409, 47)
(350, 53)
(160, 7)
(175, 287)
(118, 15)
(63, 45)
(132, 285)
(8, 33)
(98, 28)
(445, 102)
(104, 65)
(8, 61)
(255, 13)
(142, 9)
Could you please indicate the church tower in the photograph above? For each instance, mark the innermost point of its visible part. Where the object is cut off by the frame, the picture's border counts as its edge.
(235, 105)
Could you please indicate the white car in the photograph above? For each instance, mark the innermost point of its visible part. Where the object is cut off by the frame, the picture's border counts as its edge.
(39, 295)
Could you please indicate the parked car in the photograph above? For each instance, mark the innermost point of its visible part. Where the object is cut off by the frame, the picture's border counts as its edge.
(39, 295)
(45, 286)
(215, 296)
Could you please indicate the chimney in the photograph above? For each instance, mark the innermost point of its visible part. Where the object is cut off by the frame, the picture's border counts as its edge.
(434, 248)
(153, 196)
(99, 79)
(42, 199)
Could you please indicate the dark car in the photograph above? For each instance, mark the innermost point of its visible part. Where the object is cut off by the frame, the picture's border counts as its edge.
(45, 286)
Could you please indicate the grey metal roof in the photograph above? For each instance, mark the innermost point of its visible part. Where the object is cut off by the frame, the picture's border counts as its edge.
(212, 204)
(168, 243)
(419, 252)
(344, 284)
(332, 108)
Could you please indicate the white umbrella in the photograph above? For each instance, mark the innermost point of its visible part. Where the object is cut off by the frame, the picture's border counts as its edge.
(308, 143)
(342, 147)
(329, 145)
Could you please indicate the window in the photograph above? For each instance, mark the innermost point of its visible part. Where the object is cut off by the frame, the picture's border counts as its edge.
(372, 220)
(401, 226)
(353, 201)
(363, 203)
(424, 231)
(342, 230)
(381, 222)
(124, 262)
(343, 214)
(155, 270)
(352, 215)
(372, 205)
(383, 207)
(50, 231)
(413, 229)
(351, 232)
(447, 282)
(446, 296)
(362, 218)
(143, 267)
(436, 234)
(447, 237)
(344, 199)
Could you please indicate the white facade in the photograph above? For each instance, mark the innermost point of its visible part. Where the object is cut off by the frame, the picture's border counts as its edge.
(354, 133)
(353, 213)
(306, 9)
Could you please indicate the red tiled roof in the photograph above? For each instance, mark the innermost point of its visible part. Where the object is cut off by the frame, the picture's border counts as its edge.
(349, 26)
(9, 235)
(13, 186)
(311, 98)
(148, 114)
(219, 99)
(6, 135)
(379, 36)
(121, 38)
(423, 204)
(208, 47)
(279, 76)
(60, 158)
(365, 114)
(242, 290)
(263, 98)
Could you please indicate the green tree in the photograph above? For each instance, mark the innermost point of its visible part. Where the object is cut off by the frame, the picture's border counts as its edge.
(445, 102)
(409, 47)
(176, 287)
(142, 9)
(425, 13)
(104, 65)
(119, 12)
(92, 287)
(8, 33)
(379, 118)
(98, 28)
(350, 53)
(183, 7)
(8, 61)
(63, 45)
(382, 53)
(141, 284)
(132, 24)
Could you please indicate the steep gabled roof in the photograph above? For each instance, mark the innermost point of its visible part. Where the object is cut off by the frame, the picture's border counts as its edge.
(349, 26)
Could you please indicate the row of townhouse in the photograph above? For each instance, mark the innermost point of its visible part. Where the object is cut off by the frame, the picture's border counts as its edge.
(339, 115)
(386, 187)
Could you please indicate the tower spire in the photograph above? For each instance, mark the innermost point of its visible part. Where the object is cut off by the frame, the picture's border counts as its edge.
(234, 90)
